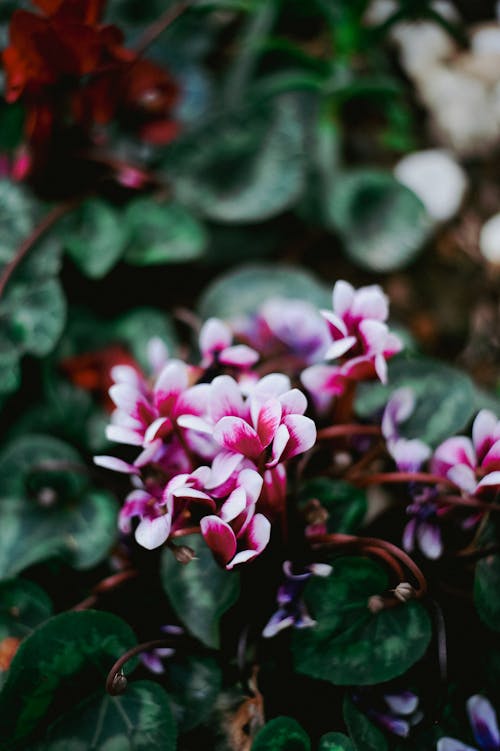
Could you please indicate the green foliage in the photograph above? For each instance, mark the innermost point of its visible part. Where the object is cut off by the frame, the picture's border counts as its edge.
(335, 742)
(193, 685)
(95, 237)
(32, 307)
(444, 398)
(346, 505)
(282, 734)
(383, 224)
(350, 645)
(487, 591)
(242, 291)
(162, 233)
(200, 591)
(51, 659)
(23, 606)
(365, 736)
(140, 720)
(244, 166)
(48, 507)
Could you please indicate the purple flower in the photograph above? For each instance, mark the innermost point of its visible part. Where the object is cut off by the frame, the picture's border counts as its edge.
(483, 720)
(409, 455)
(472, 465)
(396, 711)
(287, 327)
(291, 608)
(216, 346)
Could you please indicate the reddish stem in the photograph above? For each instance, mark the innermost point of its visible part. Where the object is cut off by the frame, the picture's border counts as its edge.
(157, 28)
(374, 545)
(116, 671)
(396, 477)
(46, 223)
(336, 431)
(106, 585)
(469, 501)
(185, 531)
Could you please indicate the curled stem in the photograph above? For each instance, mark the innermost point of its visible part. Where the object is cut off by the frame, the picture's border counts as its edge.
(387, 551)
(116, 682)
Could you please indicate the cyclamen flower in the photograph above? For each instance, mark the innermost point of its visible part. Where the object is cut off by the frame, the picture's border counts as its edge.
(423, 529)
(359, 337)
(293, 329)
(394, 711)
(292, 610)
(483, 720)
(472, 465)
(216, 346)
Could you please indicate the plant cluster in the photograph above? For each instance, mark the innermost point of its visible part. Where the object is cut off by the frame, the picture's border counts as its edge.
(266, 520)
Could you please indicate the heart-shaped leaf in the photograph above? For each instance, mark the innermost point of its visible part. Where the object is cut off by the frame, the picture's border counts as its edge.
(53, 656)
(335, 742)
(242, 291)
(141, 720)
(162, 233)
(200, 591)
(444, 398)
(349, 645)
(193, 684)
(382, 223)
(282, 734)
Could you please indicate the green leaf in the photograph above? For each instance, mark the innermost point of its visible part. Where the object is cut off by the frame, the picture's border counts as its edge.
(50, 659)
(34, 314)
(282, 734)
(193, 684)
(487, 591)
(95, 236)
(335, 742)
(162, 233)
(346, 504)
(47, 508)
(140, 720)
(444, 398)
(10, 371)
(244, 166)
(243, 290)
(201, 591)
(23, 606)
(365, 736)
(350, 645)
(382, 223)
(140, 325)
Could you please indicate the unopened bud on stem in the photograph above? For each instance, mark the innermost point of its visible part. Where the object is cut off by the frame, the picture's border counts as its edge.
(183, 553)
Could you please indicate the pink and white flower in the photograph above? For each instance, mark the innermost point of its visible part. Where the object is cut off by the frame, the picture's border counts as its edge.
(472, 465)
(216, 346)
(360, 339)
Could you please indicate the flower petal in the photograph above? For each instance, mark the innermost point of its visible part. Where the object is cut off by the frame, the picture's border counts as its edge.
(370, 302)
(172, 381)
(483, 429)
(302, 432)
(234, 434)
(268, 420)
(219, 537)
(402, 703)
(257, 536)
(463, 477)
(342, 297)
(340, 347)
(151, 533)
(115, 464)
(492, 457)
(429, 540)
(223, 466)
(451, 744)
(293, 402)
(457, 450)
(225, 398)
(239, 356)
(279, 444)
(215, 335)
(483, 720)
(251, 481)
(235, 505)
(118, 434)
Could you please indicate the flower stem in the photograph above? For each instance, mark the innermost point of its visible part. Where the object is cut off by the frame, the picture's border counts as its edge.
(116, 683)
(162, 23)
(338, 431)
(396, 477)
(106, 585)
(49, 219)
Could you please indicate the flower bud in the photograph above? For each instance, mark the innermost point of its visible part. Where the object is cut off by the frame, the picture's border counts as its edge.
(376, 604)
(183, 554)
(404, 592)
(118, 685)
